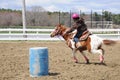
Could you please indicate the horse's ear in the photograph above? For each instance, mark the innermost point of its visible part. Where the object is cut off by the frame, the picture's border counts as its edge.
(60, 25)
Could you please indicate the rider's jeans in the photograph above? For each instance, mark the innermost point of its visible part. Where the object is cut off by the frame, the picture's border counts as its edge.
(76, 39)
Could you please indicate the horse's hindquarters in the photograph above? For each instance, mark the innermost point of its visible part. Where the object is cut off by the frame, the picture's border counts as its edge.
(95, 42)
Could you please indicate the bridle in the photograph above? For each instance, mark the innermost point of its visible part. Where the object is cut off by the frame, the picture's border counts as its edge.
(57, 32)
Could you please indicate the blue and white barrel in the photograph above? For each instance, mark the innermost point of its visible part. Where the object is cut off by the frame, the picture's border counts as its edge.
(38, 57)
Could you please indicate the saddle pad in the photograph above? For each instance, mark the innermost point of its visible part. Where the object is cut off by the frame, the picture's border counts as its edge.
(84, 36)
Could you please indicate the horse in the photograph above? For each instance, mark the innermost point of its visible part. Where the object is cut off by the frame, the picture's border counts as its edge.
(92, 43)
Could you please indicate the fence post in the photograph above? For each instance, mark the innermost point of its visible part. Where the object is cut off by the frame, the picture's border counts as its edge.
(24, 15)
(80, 13)
(59, 17)
(9, 33)
(91, 18)
(102, 19)
(70, 19)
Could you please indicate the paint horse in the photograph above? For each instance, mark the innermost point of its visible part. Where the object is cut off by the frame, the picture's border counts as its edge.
(92, 43)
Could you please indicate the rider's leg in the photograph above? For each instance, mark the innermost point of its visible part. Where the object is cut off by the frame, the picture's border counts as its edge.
(77, 43)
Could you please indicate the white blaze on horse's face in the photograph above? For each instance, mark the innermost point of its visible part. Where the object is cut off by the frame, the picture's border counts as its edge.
(56, 31)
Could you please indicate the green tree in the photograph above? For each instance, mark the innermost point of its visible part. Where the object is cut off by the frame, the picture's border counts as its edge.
(107, 15)
(96, 16)
(116, 18)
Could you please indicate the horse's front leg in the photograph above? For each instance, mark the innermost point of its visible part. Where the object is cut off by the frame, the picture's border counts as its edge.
(85, 57)
(71, 44)
(73, 55)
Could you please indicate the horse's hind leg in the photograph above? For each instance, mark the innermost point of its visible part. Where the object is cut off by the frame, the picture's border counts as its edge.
(85, 57)
(101, 52)
(101, 56)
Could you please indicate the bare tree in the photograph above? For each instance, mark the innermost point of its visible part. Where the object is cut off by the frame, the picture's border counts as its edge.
(10, 19)
(37, 16)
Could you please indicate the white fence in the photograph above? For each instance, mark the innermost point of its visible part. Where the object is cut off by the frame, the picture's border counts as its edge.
(44, 34)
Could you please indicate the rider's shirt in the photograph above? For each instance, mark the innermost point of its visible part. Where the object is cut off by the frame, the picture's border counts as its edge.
(80, 26)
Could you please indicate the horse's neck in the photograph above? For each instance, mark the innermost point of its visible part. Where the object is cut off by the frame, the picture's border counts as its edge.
(66, 36)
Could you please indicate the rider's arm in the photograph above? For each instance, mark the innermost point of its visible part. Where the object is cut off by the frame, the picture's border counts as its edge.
(72, 28)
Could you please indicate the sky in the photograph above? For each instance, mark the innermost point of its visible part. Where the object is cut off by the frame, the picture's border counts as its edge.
(65, 5)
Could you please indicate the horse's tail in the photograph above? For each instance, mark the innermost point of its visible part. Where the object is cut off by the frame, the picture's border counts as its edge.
(109, 42)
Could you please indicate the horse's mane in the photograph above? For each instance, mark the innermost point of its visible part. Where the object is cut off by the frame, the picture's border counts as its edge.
(68, 35)
(64, 26)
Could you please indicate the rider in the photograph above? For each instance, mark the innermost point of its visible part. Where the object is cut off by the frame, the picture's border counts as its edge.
(78, 24)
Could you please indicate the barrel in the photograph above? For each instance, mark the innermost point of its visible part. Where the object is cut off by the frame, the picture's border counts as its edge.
(38, 59)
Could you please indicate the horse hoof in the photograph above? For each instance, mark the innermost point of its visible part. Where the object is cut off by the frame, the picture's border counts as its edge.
(87, 62)
(102, 63)
(76, 61)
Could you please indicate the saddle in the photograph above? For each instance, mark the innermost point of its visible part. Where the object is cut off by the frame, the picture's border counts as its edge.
(85, 35)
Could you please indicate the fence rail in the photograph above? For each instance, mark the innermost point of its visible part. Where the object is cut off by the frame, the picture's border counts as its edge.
(44, 34)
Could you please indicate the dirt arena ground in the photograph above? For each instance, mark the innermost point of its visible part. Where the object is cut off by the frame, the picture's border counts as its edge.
(14, 62)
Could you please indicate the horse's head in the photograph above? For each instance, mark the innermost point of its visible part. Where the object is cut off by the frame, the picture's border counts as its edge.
(57, 31)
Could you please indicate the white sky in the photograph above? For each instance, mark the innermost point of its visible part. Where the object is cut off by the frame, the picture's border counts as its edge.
(66, 5)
